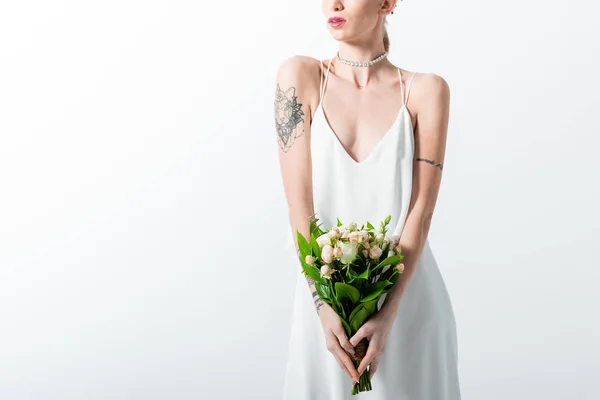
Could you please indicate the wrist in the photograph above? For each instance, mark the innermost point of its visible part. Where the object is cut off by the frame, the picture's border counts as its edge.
(390, 305)
(388, 311)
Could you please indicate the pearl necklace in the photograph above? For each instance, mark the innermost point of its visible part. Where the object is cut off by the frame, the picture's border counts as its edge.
(361, 63)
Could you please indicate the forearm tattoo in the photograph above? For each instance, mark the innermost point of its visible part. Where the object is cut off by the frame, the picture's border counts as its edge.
(318, 304)
(288, 117)
(317, 300)
(431, 162)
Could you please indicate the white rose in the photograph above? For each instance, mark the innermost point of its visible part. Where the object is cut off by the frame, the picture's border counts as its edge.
(352, 226)
(349, 251)
(309, 259)
(335, 232)
(365, 252)
(327, 253)
(400, 267)
(380, 236)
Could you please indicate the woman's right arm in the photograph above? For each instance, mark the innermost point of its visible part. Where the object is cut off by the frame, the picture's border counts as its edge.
(293, 92)
(297, 84)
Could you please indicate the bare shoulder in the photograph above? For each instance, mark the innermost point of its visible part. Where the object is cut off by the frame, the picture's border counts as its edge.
(298, 68)
(431, 98)
(300, 75)
(430, 87)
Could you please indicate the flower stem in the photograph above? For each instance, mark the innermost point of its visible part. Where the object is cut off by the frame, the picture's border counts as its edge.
(364, 382)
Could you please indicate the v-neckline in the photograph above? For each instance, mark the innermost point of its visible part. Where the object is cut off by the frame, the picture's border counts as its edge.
(379, 143)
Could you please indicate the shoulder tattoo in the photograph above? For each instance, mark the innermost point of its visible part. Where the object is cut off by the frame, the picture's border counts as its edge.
(288, 117)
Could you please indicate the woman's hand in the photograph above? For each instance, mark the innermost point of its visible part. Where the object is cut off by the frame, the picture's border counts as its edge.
(376, 331)
(337, 341)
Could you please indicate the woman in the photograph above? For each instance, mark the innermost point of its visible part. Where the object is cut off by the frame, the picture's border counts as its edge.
(348, 150)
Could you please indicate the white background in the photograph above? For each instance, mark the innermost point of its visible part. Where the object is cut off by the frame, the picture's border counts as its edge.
(138, 171)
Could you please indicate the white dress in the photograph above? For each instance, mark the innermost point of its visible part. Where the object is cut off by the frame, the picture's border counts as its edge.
(420, 357)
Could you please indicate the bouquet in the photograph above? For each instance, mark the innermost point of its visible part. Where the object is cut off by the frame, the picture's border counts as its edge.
(348, 265)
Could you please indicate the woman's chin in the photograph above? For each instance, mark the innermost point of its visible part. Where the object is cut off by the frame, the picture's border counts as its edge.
(338, 34)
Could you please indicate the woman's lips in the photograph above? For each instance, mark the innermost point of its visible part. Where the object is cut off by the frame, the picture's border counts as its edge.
(336, 22)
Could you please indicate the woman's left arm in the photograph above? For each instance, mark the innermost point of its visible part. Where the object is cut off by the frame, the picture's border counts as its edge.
(433, 108)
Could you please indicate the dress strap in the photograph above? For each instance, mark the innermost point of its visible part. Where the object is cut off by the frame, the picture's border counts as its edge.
(401, 86)
(408, 87)
(321, 83)
(405, 99)
(324, 84)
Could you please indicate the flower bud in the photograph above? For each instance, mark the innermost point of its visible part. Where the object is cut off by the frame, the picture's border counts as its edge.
(327, 254)
(326, 271)
(375, 252)
(337, 251)
(353, 236)
(398, 249)
(394, 241)
(364, 236)
(324, 239)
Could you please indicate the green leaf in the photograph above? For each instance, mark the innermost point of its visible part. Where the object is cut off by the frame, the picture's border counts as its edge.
(369, 225)
(316, 250)
(373, 296)
(318, 231)
(388, 274)
(323, 290)
(374, 291)
(314, 227)
(350, 273)
(388, 219)
(339, 223)
(394, 276)
(303, 246)
(347, 328)
(353, 276)
(391, 260)
(338, 308)
(366, 274)
(385, 248)
(313, 272)
(347, 292)
(361, 313)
